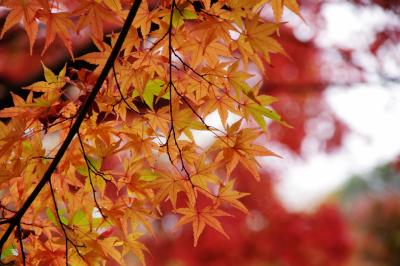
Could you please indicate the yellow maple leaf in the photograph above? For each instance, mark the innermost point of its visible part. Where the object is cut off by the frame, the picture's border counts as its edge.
(278, 5)
(229, 195)
(57, 24)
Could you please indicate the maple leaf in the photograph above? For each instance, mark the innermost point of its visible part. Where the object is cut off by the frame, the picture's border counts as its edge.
(238, 146)
(57, 24)
(150, 59)
(140, 213)
(142, 146)
(27, 108)
(278, 5)
(204, 174)
(133, 245)
(179, 16)
(97, 58)
(258, 110)
(7, 172)
(216, 27)
(237, 79)
(168, 186)
(53, 82)
(114, 5)
(206, 48)
(200, 219)
(230, 196)
(106, 248)
(11, 132)
(239, 9)
(152, 89)
(93, 14)
(223, 104)
(43, 107)
(25, 10)
(159, 120)
(257, 38)
(145, 17)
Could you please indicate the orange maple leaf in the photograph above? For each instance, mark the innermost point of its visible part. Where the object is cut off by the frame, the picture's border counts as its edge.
(202, 218)
(278, 5)
(93, 14)
(231, 196)
(25, 10)
(57, 24)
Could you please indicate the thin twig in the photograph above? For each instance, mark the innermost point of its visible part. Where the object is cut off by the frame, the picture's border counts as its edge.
(170, 85)
(89, 170)
(202, 76)
(121, 95)
(66, 237)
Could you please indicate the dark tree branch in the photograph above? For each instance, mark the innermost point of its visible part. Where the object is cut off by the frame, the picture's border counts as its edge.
(75, 127)
(19, 234)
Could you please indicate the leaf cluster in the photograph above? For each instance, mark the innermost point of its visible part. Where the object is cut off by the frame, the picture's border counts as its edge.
(136, 151)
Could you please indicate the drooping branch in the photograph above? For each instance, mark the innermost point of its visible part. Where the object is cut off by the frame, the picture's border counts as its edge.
(170, 86)
(89, 170)
(15, 220)
(63, 225)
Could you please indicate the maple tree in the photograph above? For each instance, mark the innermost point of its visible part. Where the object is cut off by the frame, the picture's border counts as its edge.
(124, 132)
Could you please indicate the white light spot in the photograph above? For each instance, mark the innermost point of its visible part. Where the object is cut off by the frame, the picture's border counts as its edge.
(255, 221)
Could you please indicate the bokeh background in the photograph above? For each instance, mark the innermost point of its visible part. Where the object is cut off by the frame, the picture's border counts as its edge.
(334, 198)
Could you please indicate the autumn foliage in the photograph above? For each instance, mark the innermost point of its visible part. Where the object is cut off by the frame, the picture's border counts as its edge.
(92, 156)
